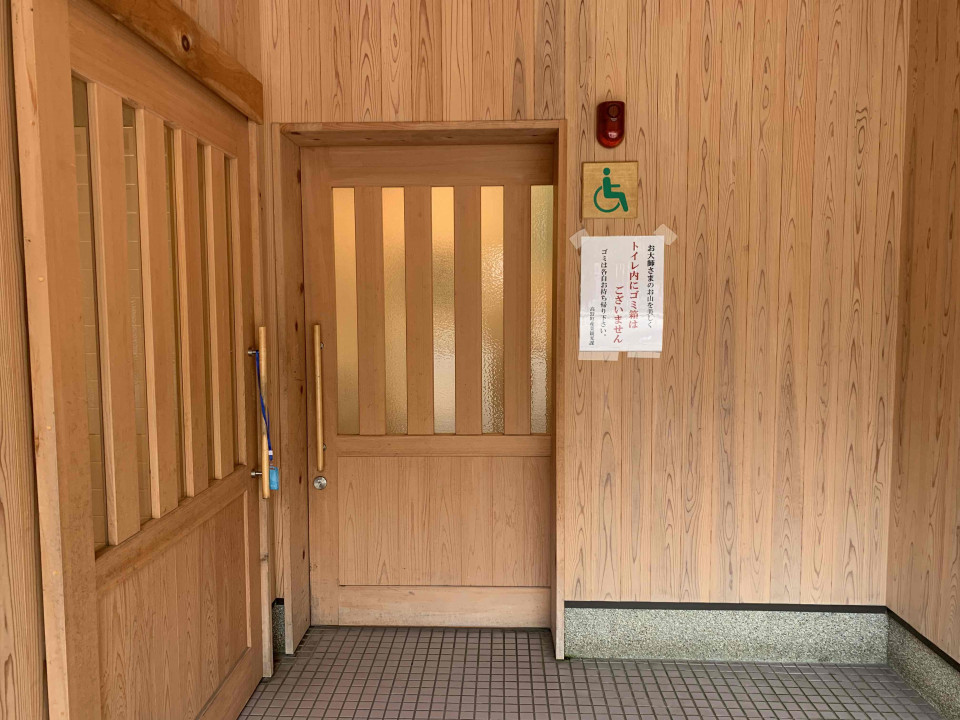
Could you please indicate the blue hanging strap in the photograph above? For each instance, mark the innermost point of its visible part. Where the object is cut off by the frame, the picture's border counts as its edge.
(263, 405)
(274, 472)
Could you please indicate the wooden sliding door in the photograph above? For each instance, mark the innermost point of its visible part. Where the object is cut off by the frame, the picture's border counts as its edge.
(428, 279)
(138, 220)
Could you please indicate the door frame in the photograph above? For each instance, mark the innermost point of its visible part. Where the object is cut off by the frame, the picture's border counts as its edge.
(303, 579)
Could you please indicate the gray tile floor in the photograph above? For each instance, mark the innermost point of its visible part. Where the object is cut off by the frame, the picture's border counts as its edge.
(436, 673)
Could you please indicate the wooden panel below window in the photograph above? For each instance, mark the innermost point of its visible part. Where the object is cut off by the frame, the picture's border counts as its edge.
(419, 606)
(475, 521)
(175, 629)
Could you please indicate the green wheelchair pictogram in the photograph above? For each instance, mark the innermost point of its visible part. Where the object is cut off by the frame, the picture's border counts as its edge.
(610, 192)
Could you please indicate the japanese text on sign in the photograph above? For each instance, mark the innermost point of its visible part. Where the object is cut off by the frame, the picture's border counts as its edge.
(621, 294)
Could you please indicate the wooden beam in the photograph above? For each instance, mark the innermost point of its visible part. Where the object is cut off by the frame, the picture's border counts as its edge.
(20, 592)
(218, 309)
(290, 364)
(192, 358)
(172, 32)
(51, 257)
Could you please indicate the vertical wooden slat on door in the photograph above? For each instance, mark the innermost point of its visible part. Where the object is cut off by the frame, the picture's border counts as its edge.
(516, 310)
(218, 294)
(242, 301)
(158, 316)
(417, 216)
(192, 366)
(113, 308)
(370, 346)
(467, 309)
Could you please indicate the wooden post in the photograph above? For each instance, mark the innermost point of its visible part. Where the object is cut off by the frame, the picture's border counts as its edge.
(21, 644)
(49, 201)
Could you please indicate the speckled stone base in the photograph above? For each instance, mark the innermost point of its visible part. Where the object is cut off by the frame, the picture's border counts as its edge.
(279, 633)
(727, 635)
(930, 675)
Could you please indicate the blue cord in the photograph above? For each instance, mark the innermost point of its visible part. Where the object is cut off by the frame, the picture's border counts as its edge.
(263, 407)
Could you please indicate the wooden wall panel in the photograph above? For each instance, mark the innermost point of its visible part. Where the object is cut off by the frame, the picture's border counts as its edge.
(924, 526)
(749, 462)
(800, 93)
(755, 500)
(638, 393)
(737, 27)
(764, 414)
(671, 193)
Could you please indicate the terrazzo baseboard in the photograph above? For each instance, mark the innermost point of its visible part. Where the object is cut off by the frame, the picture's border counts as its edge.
(727, 635)
(279, 633)
(937, 680)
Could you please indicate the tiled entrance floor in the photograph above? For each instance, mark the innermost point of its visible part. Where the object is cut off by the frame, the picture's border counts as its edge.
(435, 673)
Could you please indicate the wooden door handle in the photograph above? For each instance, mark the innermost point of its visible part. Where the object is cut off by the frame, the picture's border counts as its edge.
(318, 389)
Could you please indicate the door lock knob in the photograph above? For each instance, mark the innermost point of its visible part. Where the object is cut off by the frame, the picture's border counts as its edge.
(319, 482)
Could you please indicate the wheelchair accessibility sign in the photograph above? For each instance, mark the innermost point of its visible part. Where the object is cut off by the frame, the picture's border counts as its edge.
(610, 190)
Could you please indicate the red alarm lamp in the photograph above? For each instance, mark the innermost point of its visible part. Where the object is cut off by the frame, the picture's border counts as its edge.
(610, 122)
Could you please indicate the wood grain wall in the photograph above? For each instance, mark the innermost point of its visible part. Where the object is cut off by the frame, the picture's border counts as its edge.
(22, 692)
(924, 579)
(752, 461)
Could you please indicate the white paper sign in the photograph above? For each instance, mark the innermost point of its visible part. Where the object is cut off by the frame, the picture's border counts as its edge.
(621, 294)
